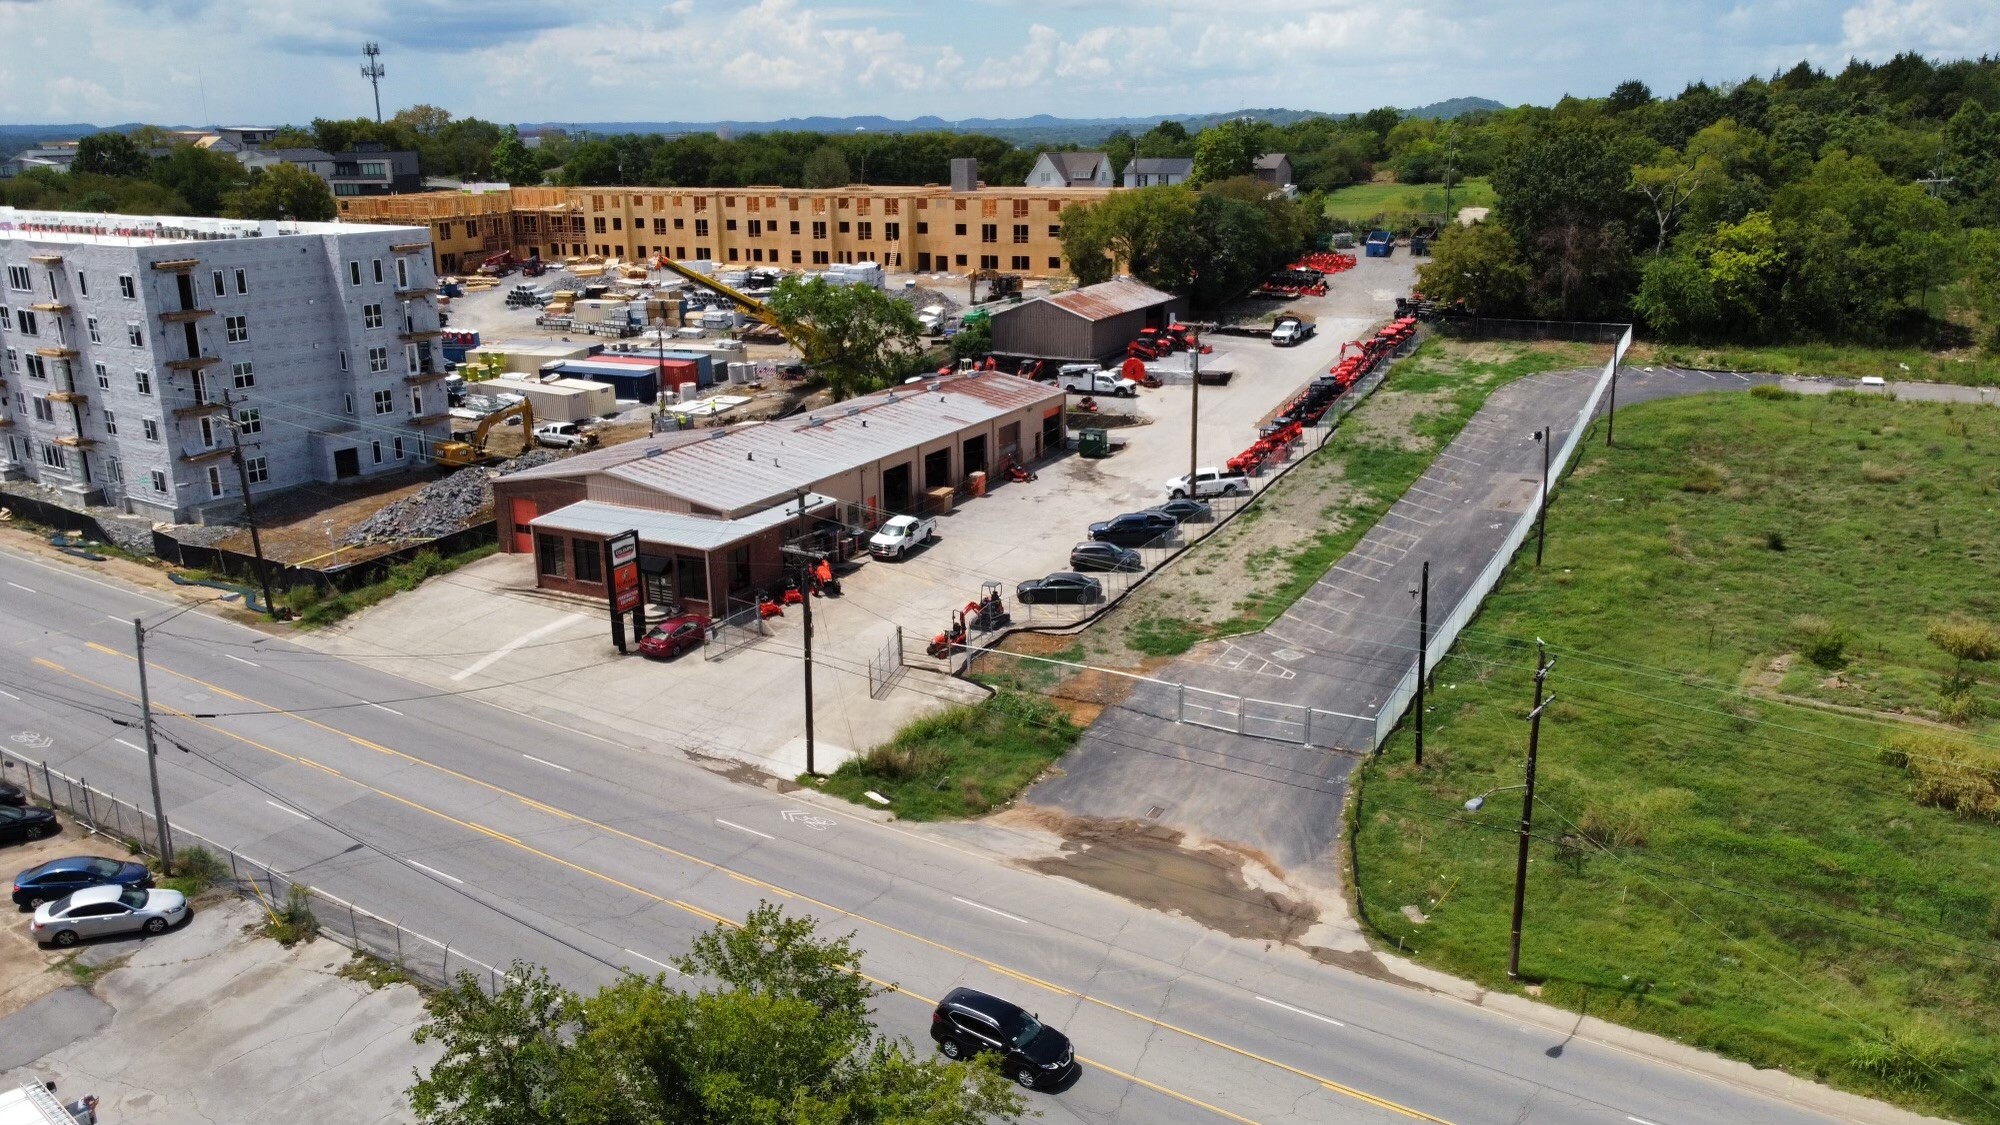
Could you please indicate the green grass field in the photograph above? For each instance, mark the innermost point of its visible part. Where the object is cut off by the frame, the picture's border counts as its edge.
(1362, 204)
(1720, 855)
(1969, 367)
(960, 762)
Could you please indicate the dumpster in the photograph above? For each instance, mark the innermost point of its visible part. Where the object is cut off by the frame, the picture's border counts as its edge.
(1093, 443)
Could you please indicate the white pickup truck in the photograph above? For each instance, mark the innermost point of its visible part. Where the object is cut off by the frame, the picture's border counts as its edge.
(901, 534)
(563, 435)
(1291, 329)
(1209, 482)
(1096, 381)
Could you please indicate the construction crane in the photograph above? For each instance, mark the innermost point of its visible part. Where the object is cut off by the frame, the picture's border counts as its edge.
(810, 345)
(459, 454)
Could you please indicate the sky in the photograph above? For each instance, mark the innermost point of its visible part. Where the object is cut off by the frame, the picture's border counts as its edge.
(267, 62)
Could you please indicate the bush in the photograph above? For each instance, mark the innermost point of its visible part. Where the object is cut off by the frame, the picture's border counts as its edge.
(898, 761)
(198, 869)
(1772, 391)
(1949, 774)
(1904, 1057)
(1821, 641)
(295, 921)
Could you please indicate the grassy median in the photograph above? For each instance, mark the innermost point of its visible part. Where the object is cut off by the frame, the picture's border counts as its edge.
(1768, 814)
(962, 761)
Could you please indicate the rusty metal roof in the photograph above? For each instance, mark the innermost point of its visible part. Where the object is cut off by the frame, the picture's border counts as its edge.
(1104, 300)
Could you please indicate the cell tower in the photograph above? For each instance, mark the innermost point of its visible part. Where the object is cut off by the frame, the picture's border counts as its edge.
(373, 71)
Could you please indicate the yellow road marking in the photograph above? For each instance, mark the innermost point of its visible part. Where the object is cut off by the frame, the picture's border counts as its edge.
(1329, 1084)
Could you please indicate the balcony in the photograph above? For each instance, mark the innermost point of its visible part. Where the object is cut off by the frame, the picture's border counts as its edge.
(419, 378)
(197, 409)
(193, 362)
(182, 316)
(420, 334)
(57, 352)
(49, 307)
(75, 441)
(409, 247)
(430, 418)
(67, 396)
(178, 265)
(412, 294)
(46, 258)
(204, 456)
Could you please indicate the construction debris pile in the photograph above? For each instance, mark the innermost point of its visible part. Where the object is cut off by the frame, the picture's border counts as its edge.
(440, 507)
(920, 298)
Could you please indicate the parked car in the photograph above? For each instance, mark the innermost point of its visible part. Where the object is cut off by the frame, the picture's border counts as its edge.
(899, 535)
(1064, 587)
(102, 911)
(11, 794)
(1098, 381)
(1133, 529)
(1032, 1053)
(1183, 510)
(1209, 482)
(674, 636)
(1105, 556)
(18, 823)
(58, 877)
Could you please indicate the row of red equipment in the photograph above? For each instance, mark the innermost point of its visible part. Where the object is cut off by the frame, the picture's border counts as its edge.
(1159, 343)
(1305, 277)
(1358, 358)
(1324, 261)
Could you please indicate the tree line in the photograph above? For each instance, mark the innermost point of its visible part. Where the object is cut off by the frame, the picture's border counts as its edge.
(1859, 206)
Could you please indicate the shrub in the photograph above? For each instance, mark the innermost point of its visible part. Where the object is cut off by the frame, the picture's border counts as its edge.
(198, 869)
(295, 921)
(1821, 641)
(1775, 540)
(1772, 391)
(1904, 1057)
(900, 761)
(1949, 774)
(1967, 642)
(1707, 477)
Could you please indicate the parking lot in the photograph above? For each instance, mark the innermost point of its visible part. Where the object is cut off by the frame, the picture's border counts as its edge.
(488, 629)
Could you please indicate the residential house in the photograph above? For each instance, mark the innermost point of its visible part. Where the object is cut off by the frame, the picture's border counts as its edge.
(1154, 171)
(1071, 169)
(1274, 168)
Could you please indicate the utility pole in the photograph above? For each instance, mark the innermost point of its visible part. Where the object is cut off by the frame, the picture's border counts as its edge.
(1423, 593)
(1611, 412)
(373, 71)
(806, 603)
(249, 511)
(1543, 436)
(152, 750)
(1542, 666)
(1194, 423)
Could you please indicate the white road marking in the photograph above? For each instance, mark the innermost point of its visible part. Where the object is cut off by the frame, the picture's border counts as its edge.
(649, 960)
(1710, 374)
(1640, 1120)
(240, 660)
(1355, 573)
(135, 746)
(120, 620)
(436, 872)
(491, 658)
(546, 762)
(740, 828)
(284, 808)
(990, 910)
(391, 710)
(11, 696)
(18, 586)
(1301, 1011)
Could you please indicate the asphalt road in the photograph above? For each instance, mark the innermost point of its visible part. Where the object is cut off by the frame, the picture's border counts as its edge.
(514, 838)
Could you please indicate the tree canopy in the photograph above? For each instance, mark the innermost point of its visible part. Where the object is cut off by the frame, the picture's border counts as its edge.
(861, 338)
(782, 1037)
(1212, 244)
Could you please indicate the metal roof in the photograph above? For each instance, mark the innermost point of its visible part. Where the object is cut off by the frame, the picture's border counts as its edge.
(597, 460)
(1103, 300)
(1268, 162)
(752, 466)
(1157, 165)
(671, 529)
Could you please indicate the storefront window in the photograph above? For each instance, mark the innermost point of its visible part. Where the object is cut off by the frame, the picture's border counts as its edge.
(691, 571)
(550, 558)
(739, 570)
(589, 561)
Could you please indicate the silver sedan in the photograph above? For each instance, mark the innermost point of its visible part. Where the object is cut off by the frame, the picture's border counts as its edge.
(101, 911)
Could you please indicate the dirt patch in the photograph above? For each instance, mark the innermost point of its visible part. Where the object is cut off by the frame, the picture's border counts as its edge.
(1390, 417)
(1223, 887)
(27, 971)
(1774, 672)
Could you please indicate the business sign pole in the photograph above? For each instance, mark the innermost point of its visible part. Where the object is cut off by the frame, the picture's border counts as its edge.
(626, 592)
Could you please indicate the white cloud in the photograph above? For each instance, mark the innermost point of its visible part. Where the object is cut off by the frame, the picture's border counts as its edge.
(1877, 29)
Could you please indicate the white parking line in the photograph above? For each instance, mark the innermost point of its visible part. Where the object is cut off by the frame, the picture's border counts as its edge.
(1710, 374)
(240, 660)
(1640, 1120)
(135, 746)
(1467, 460)
(391, 710)
(285, 808)
(11, 696)
(740, 828)
(1355, 573)
(435, 871)
(546, 762)
(1302, 1012)
(18, 586)
(650, 961)
(988, 909)
(487, 661)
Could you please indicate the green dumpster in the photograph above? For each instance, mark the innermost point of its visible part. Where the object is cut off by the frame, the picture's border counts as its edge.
(1093, 443)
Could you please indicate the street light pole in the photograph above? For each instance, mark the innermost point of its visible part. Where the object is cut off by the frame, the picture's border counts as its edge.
(152, 750)
(1542, 518)
(1423, 593)
(1542, 666)
(1194, 424)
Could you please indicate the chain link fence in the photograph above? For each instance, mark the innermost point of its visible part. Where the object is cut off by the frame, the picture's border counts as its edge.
(739, 626)
(96, 812)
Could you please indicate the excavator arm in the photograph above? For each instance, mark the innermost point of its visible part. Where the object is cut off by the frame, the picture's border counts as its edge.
(458, 454)
(810, 345)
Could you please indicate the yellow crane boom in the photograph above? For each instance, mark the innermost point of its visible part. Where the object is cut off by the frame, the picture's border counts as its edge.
(803, 337)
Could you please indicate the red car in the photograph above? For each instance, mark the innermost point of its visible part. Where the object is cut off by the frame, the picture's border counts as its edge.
(674, 636)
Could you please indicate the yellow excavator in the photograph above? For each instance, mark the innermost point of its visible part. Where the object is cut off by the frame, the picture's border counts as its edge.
(459, 454)
(802, 337)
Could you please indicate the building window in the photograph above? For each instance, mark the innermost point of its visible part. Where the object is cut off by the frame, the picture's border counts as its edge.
(114, 472)
(1020, 234)
(819, 257)
(52, 456)
(127, 288)
(103, 377)
(82, 283)
(96, 335)
(732, 253)
(597, 225)
(589, 561)
(795, 222)
(378, 360)
(29, 324)
(1055, 263)
(13, 362)
(961, 261)
(989, 261)
(243, 375)
(701, 229)
(237, 328)
(399, 449)
(385, 401)
(37, 368)
(729, 224)
(151, 428)
(756, 228)
(110, 424)
(1020, 262)
(1020, 208)
(376, 263)
(7, 317)
(217, 278)
(819, 230)
(354, 273)
(44, 409)
(371, 316)
(865, 231)
(989, 232)
(845, 226)
(18, 278)
(550, 558)
(249, 422)
(797, 258)
(347, 402)
(923, 228)
(214, 481)
(958, 229)
(416, 400)
(257, 468)
(403, 264)
(892, 231)
(143, 380)
(159, 482)
(343, 365)
(242, 281)
(134, 336)
(376, 448)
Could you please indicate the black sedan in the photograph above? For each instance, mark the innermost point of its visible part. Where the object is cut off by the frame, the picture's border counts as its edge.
(1134, 529)
(58, 877)
(1105, 556)
(18, 824)
(11, 794)
(1184, 509)
(1031, 1052)
(1064, 587)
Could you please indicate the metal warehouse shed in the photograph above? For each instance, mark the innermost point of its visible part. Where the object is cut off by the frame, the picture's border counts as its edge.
(1086, 325)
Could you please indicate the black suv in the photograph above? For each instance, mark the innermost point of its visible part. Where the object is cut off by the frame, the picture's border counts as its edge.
(1033, 1054)
(1134, 529)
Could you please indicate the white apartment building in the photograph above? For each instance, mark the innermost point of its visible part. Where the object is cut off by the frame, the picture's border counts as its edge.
(132, 346)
